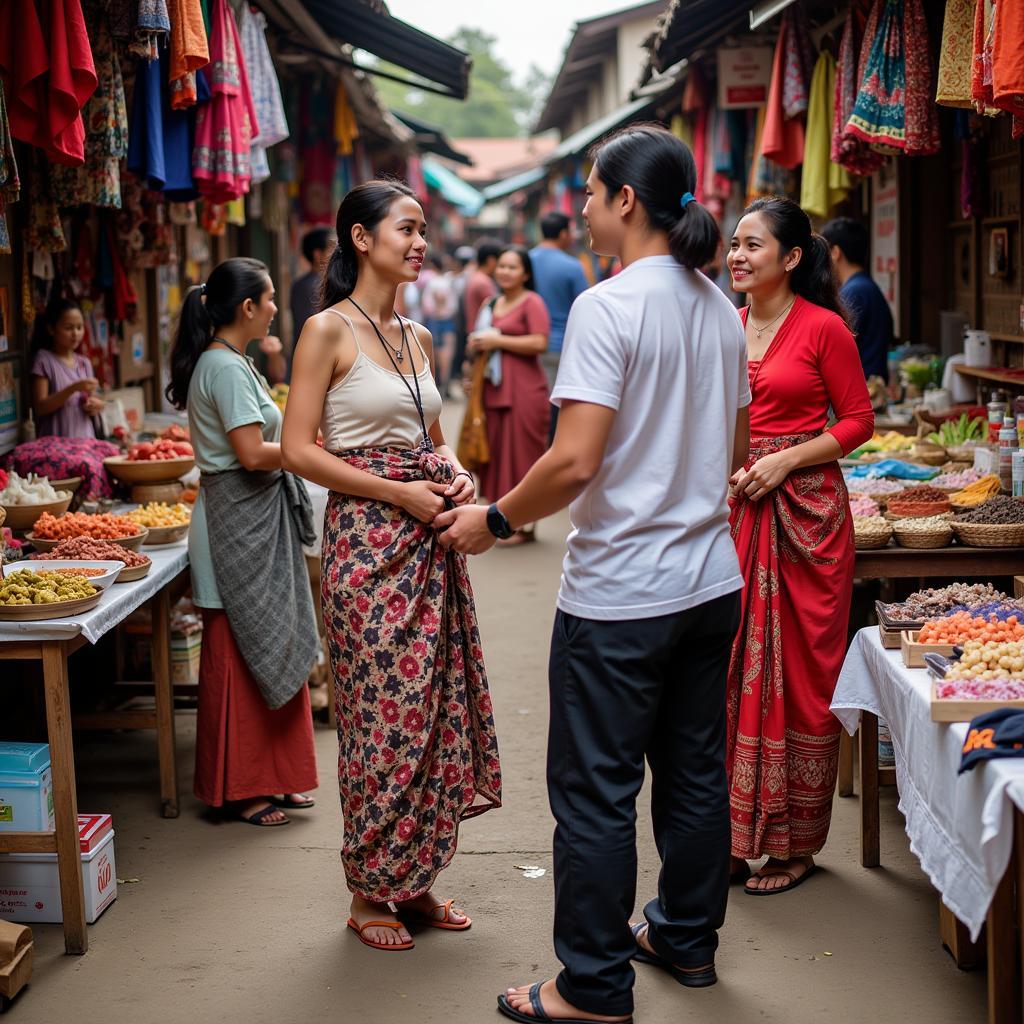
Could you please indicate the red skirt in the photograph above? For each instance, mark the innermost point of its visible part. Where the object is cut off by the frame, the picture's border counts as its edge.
(797, 556)
(243, 749)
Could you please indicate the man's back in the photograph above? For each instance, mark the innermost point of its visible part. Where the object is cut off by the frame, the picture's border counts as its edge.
(872, 322)
(559, 279)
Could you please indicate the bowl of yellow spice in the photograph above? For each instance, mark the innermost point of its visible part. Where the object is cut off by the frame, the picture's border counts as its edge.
(166, 523)
(27, 596)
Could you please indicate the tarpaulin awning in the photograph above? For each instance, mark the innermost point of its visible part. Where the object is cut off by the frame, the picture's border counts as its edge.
(580, 141)
(514, 183)
(466, 199)
(430, 138)
(350, 21)
(689, 25)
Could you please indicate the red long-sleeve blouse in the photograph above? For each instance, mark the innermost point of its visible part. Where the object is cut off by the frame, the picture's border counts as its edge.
(811, 365)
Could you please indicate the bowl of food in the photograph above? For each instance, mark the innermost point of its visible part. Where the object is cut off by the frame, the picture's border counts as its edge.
(101, 574)
(152, 462)
(166, 523)
(136, 565)
(27, 596)
(25, 498)
(48, 531)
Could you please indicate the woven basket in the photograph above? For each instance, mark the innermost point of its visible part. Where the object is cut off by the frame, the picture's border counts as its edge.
(929, 455)
(917, 509)
(990, 535)
(961, 452)
(937, 538)
(867, 540)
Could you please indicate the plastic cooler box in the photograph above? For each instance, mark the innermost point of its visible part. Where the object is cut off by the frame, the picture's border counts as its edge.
(26, 789)
(30, 884)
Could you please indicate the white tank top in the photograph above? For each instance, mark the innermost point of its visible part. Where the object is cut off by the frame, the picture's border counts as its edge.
(371, 407)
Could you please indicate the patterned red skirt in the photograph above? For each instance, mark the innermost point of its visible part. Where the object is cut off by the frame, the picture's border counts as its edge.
(417, 751)
(797, 556)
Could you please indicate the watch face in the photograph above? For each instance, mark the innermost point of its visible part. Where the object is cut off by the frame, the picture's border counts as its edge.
(498, 524)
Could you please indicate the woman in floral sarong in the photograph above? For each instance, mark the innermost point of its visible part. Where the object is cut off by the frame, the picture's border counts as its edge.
(794, 536)
(417, 750)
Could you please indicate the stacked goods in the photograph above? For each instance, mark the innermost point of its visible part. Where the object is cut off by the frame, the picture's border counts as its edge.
(26, 587)
(871, 532)
(998, 690)
(992, 659)
(88, 549)
(29, 490)
(974, 494)
(102, 526)
(959, 627)
(999, 510)
(162, 449)
(159, 513)
(956, 480)
(915, 502)
(862, 505)
(937, 601)
(923, 532)
(1002, 610)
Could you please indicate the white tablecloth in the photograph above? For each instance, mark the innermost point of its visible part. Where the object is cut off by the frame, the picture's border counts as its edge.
(960, 826)
(117, 603)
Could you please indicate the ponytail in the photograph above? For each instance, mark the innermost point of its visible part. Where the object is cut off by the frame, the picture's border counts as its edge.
(814, 278)
(206, 309)
(661, 170)
(367, 204)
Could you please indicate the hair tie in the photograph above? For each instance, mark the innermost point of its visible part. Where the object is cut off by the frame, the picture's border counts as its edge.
(688, 197)
(202, 288)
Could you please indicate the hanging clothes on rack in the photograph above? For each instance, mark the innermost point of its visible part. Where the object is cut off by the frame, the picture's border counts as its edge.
(894, 111)
(265, 88)
(45, 233)
(788, 93)
(824, 184)
(346, 128)
(226, 126)
(152, 25)
(695, 105)
(956, 55)
(847, 150)
(767, 178)
(190, 50)
(10, 184)
(1008, 61)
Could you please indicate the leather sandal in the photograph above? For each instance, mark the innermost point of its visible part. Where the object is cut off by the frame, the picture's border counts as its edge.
(431, 920)
(539, 1014)
(397, 947)
(794, 880)
(259, 818)
(701, 978)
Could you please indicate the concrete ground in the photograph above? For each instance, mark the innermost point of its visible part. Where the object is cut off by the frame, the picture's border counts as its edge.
(224, 923)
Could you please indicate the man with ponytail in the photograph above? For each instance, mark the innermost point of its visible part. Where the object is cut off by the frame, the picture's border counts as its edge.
(652, 393)
(792, 528)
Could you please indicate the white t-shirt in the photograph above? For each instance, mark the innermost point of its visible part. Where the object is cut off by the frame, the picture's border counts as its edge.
(664, 347)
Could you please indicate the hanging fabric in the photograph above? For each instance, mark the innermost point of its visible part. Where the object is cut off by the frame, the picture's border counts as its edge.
(346, 129)
(45, 233)
(189, 50)
(1008, 60)
(266, 90)
(10, 185)
(767, 178)
(824, 184)
(788, 93)
(894, 111)
(847, 150)
(152, 24)
(225, 126)
(956, 55)
(695, 104)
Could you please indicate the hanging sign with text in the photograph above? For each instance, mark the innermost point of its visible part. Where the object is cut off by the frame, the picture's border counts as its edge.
(744, 73)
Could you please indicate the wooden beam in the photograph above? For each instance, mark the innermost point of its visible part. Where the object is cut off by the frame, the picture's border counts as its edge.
(28, 842)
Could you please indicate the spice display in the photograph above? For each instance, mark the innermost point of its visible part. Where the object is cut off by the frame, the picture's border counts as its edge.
(163, 449)
(862, 505)
(29, 490)
(981, 490)
(990, 659)
(102, 526)
(959, 627)
(957, 479)
(881, 485)
(870, 523)
(923, 524)
(74, 570)
(159, 513)
(999, 510)
(89, 549)
(924, 493)
(28, 587)
(980, 689)
(1000, 609)
(935, 601)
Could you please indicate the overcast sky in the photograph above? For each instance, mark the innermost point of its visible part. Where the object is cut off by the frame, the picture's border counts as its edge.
(528, 31)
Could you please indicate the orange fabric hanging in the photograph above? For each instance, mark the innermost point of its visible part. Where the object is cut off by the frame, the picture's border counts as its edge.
(189, 50)
(1008, 57)
(783, 139)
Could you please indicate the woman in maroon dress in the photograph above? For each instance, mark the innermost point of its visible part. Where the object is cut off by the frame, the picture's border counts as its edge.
(516, 397)
(794, 536)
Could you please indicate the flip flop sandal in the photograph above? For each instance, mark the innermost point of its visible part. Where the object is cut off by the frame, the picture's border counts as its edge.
(740, 875)
(794, 881)
(445, 922)
(292, 804)
(505, 1007)
(691, 979)
(397, 947)
(259, 818)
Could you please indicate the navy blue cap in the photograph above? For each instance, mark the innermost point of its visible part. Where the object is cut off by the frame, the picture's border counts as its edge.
(997, 733)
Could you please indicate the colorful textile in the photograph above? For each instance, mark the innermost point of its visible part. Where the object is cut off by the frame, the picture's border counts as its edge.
(10, 184)
(416, 741)
(98, 180)
(782, 140)
(266, 91)
(894, 111)
(767, 178)
(695, 104)
(1008, 57)
(47, 78)
(956, 55)
(152, 24)
(847, 150)
(823, 184)
(346, 128)
(189, 51)
(61, 458)
(798, 63)
(45, 233)
(225, 126)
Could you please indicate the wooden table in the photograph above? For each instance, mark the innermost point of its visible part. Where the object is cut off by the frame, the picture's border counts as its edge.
(53, 652)
(908, 563)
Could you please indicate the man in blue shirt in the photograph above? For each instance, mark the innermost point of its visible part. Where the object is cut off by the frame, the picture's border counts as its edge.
(869, 312)
(558, 278)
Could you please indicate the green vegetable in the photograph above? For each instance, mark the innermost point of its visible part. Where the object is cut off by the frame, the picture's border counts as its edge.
(954, 432)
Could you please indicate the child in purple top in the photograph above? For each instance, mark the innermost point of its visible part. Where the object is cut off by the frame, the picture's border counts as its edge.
(63, 386)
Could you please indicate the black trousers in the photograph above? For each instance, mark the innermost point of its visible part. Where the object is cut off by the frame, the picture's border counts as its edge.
(622, 691)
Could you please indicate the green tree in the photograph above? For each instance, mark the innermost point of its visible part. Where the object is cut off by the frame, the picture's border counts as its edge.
(496, 106)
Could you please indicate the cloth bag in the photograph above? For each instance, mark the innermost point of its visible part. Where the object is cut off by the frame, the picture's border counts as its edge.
(473, 450)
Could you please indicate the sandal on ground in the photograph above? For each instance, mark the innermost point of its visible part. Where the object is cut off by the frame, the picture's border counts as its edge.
(701, 978)
(740, 875)
(259, 817)
(397, 947)
(767, 872)
(431, 920)
(289, 801)
(505, 1007)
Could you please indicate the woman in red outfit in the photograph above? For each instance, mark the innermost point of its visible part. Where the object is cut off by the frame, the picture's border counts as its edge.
(516, 397)
(794, 536)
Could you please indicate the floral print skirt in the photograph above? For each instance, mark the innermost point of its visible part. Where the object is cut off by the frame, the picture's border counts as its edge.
(417, 750)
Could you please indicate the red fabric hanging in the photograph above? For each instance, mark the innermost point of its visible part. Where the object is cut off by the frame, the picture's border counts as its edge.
(783, 139)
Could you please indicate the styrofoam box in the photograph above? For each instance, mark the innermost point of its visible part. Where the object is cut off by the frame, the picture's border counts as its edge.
(26, 787)
(30, 884)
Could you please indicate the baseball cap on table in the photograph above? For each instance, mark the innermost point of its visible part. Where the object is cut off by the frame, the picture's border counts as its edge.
(997, 733)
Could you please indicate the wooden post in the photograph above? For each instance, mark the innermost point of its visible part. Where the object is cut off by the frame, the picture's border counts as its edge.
(65, 800)
(845, 784)
(1004, 995)
(870, 856)
(955, 936)
(160, 610)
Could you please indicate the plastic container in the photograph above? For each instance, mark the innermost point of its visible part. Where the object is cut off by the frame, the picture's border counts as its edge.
(1008, 444)
(996, 415)
(977, 348)
(1017, 474)
(26, 788)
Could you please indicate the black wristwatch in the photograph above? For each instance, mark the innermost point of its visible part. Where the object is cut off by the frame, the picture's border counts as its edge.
(498, 524)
